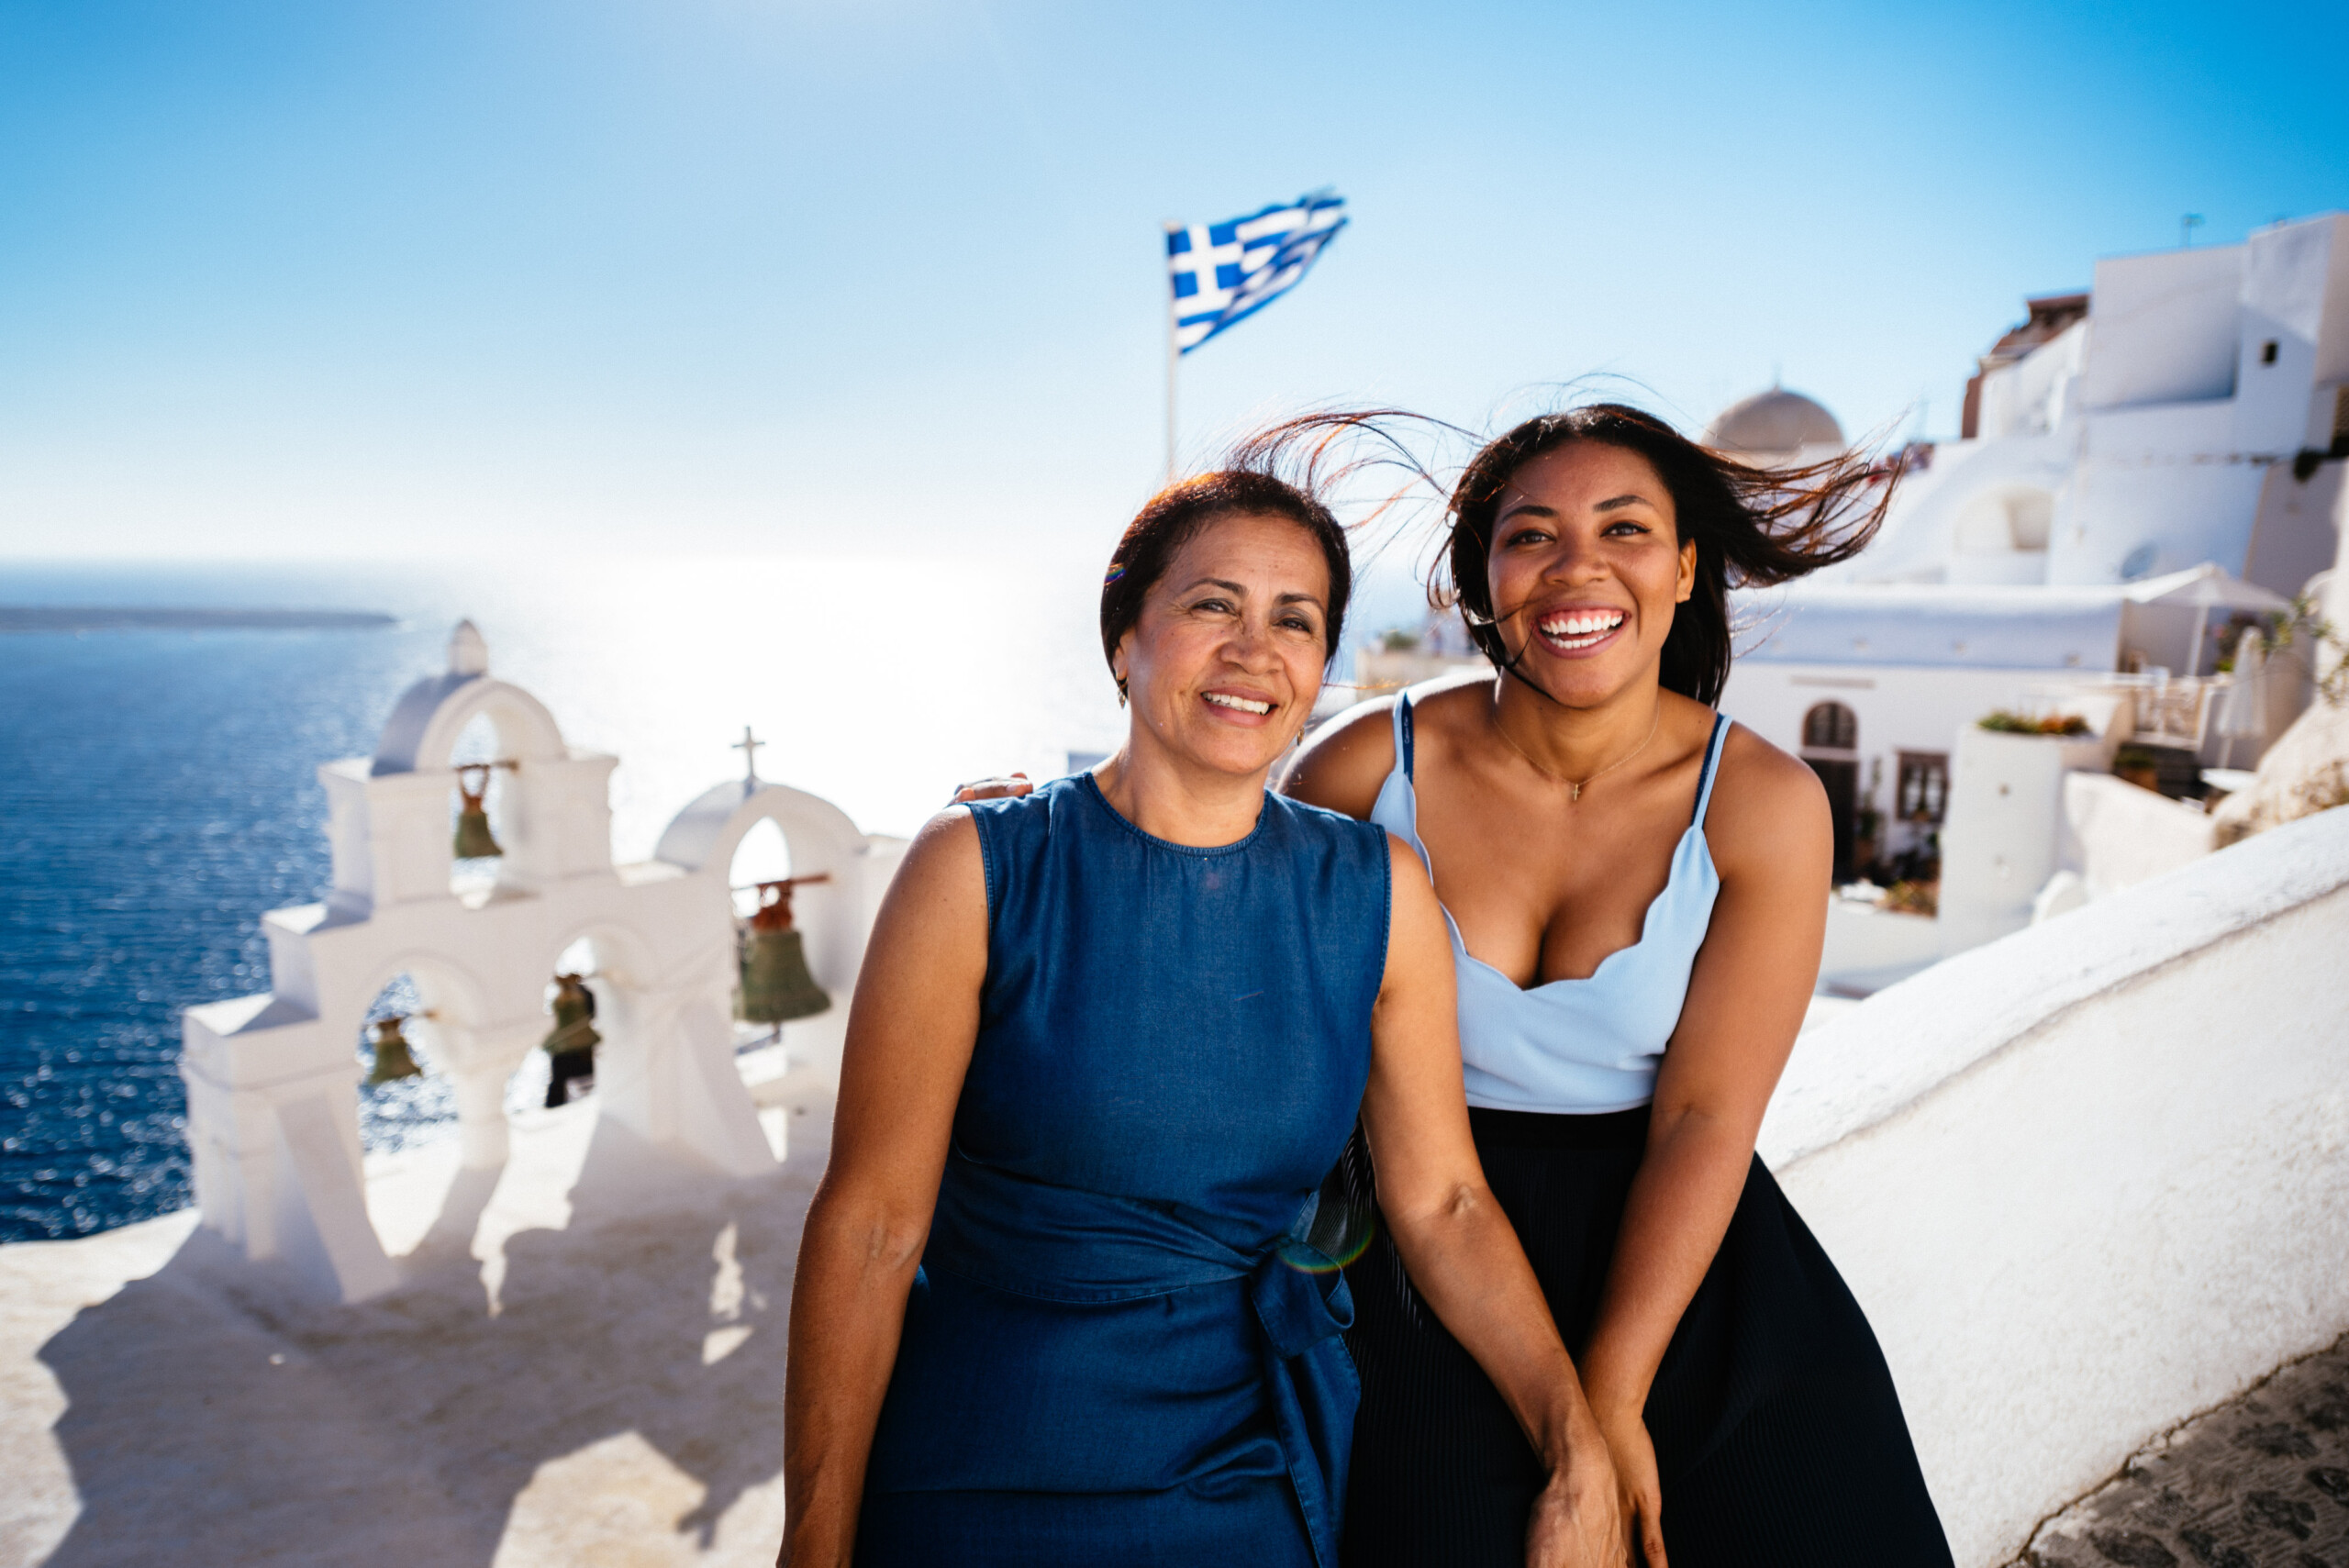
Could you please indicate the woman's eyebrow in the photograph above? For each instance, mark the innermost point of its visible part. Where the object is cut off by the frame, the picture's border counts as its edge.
(1229, 587)
(1537, 510)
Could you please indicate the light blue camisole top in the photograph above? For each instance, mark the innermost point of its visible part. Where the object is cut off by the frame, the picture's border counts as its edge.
(1575, 1046)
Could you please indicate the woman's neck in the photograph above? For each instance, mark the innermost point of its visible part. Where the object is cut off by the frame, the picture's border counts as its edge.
(1187, 804)
(1574, 744)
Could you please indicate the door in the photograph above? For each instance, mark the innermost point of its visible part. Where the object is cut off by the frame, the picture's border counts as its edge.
(1843, 782)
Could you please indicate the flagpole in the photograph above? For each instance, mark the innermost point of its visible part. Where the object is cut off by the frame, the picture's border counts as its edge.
(1173, 358)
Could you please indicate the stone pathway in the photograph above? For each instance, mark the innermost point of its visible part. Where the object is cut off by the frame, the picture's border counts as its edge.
(2261, 1482)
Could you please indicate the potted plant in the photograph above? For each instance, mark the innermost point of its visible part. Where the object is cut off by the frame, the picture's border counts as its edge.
(2138, 766)
(1999, 721)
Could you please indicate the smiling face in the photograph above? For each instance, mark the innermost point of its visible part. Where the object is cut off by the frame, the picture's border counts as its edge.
(1585, 568)
(1224, 663)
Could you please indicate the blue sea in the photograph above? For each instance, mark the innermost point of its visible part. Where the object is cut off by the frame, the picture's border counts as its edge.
(158, 791)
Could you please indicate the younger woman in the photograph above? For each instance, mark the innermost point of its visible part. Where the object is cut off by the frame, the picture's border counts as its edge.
(1636, 891)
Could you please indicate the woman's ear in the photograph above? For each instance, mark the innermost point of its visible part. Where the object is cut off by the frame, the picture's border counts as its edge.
(1687, 571)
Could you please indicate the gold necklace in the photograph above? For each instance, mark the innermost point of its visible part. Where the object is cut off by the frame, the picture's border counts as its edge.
(1574, 790)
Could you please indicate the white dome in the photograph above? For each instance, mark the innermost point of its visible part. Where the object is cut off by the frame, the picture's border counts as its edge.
(1776, 423)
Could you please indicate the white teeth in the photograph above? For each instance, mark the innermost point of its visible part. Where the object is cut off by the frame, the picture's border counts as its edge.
(1224, 699)
(1581, 628)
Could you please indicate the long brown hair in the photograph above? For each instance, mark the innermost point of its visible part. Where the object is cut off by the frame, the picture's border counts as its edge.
(1753, 527)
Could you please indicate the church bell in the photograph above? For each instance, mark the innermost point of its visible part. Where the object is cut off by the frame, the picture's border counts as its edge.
(574, 1013)
(474, 838)
(776, 986)
(392, 1057)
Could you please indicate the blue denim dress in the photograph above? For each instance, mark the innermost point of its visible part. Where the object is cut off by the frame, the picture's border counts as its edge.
(1115, 1350)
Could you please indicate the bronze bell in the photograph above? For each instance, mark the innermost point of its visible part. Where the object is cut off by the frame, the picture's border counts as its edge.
(776, 986)
(392, 1057)
(474, 838)
(574, 1011)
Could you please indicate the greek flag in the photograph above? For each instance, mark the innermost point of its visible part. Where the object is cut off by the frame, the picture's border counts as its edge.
(1225, 273)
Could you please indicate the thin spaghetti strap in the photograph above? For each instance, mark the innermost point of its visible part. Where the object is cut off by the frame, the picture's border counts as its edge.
(1403, 732)
(1712, 765)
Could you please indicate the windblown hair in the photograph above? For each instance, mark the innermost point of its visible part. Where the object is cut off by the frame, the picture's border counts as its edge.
(1752, 527)
(1176, 514)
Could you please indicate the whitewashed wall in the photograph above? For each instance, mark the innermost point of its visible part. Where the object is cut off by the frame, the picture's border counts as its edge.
(2093, 1177)
(2006, 819)
(2117, 835)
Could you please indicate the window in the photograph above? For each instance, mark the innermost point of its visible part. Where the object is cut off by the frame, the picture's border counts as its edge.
(1924, 794)
(1830, 727)
(2268, 352)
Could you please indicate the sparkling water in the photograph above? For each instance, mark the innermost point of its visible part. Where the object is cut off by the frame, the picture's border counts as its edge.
(158, 789)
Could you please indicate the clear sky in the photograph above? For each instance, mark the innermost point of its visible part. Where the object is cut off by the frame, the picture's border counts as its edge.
(383, 277)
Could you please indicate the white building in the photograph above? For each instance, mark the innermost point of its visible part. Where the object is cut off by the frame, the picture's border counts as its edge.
(2158, 423)
(2146, 469)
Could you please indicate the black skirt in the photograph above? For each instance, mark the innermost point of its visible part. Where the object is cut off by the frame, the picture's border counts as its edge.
(1778, 1435)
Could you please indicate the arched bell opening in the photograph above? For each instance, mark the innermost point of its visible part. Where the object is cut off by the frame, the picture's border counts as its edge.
(764, 855)
(481, 808)
(773, 984)
(578, 1018)
(591, 1014)
(405, 1095)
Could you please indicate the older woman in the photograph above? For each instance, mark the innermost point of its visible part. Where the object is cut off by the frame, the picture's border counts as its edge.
(1636, 890)
(1108, 1039)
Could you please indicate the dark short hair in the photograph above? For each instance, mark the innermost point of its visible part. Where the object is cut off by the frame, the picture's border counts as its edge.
(1176, 514)
(1753, 527)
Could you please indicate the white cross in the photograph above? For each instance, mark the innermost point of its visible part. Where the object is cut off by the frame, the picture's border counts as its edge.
(1201, 261)
(748, 746)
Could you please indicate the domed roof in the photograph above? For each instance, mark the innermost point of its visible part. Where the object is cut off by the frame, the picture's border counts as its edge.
(1773, 423)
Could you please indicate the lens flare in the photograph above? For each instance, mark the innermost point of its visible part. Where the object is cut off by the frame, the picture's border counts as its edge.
(1338, 1234)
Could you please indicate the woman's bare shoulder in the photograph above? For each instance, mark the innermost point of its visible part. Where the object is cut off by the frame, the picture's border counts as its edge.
(1768, 814)
(1345, 763)
(1463, 706)
(927, 953)
(944, 861)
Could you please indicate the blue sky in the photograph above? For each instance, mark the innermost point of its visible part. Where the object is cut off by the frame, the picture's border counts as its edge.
(383, 279)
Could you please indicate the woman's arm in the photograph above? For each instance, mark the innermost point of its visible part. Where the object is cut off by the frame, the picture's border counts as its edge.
(1774, 846)
(909, 1035)
(1462, 1255)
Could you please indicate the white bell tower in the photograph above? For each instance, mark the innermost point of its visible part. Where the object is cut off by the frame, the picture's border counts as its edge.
(272, 1079)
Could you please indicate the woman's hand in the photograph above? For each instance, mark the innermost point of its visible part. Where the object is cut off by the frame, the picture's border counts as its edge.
(1579, 1520)
(1639, 1495)
(1008, 787)
(1462, 1255)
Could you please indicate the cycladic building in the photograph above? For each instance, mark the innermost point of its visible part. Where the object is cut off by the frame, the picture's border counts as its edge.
(2146, 469)
(2175, 414)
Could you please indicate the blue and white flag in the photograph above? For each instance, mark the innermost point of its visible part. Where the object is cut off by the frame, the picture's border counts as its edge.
(1225, 273)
